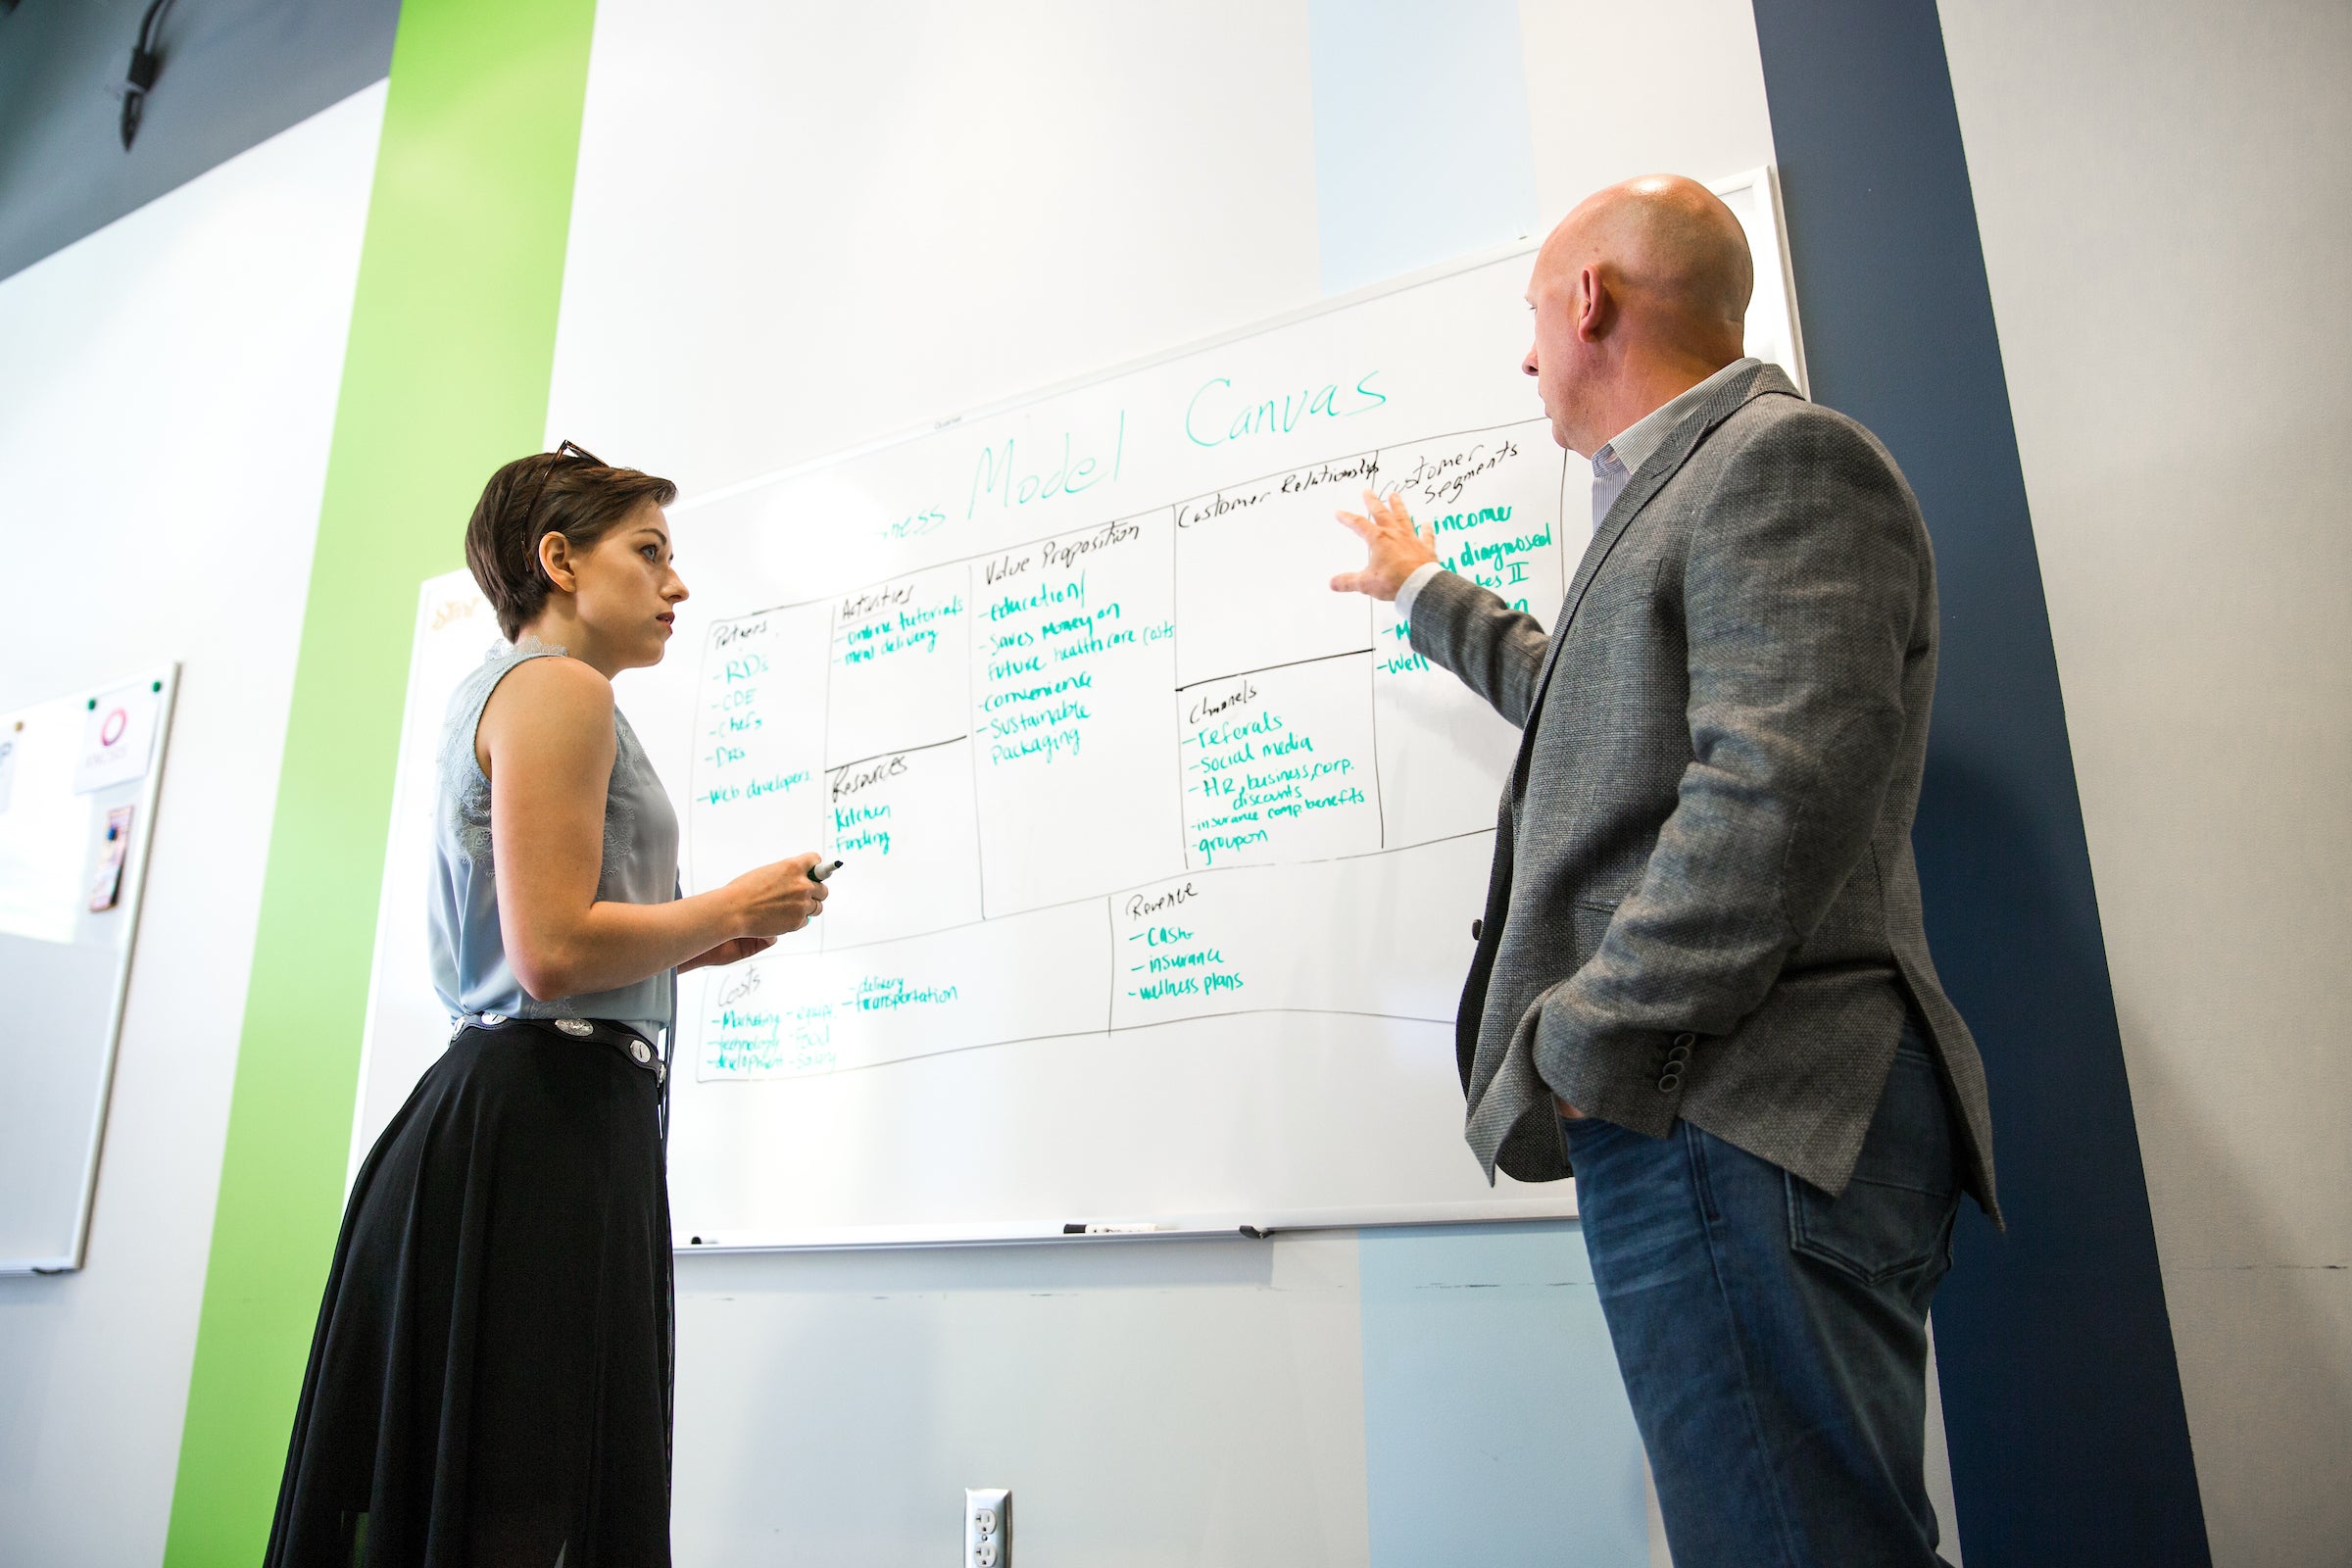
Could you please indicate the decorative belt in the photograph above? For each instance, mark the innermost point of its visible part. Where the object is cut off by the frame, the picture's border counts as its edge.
(620, 1037)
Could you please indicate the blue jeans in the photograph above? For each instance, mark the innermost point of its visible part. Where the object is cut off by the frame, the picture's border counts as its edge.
(1773, 1339)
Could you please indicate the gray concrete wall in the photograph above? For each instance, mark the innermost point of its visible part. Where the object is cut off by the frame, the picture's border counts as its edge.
(2163, 195)
(235, 72)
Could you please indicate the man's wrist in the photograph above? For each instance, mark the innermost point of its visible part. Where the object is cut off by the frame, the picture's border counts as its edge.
(1411, 589)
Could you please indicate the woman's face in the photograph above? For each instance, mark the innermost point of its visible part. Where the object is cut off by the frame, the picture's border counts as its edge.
(626, 591)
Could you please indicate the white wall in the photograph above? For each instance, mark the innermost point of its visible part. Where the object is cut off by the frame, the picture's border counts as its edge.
(167, 392)
(2166, 198)
(873, 216)
(1597, 119)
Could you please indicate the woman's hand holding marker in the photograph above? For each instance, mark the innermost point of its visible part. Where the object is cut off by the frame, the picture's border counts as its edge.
(776, 900)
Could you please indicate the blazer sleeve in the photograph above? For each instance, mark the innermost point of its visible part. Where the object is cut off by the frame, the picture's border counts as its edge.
(1496, 651)
(1801, 592)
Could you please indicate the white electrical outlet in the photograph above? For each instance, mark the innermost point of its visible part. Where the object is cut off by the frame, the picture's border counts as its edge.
(987, 1527)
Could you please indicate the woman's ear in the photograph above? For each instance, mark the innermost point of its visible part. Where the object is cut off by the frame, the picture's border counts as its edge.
(555, 559)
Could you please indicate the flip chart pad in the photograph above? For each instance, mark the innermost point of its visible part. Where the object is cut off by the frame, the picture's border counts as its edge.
(1160, 856)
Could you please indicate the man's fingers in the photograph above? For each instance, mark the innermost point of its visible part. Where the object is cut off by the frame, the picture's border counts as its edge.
(1392, 513)
(1362, 527)
(1346, 583)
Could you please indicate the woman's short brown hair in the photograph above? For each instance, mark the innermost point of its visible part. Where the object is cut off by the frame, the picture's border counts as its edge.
(566, 492)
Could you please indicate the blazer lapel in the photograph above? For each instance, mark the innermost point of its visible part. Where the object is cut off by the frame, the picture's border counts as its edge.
(1664, 464)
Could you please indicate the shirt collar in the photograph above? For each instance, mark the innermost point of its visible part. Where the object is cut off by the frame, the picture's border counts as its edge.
(1631, 446)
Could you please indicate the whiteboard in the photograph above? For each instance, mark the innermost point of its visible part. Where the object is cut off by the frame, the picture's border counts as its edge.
(1161, 858)
(78, 782)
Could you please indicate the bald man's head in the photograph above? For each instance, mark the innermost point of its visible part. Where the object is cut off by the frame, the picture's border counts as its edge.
(1668, 239)
(1643, 283)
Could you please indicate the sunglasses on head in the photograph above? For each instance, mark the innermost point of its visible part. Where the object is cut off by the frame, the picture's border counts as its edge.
(565, 450)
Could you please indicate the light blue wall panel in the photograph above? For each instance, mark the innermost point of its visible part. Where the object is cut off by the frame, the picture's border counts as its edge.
(1422, 149)
(1496, 1429)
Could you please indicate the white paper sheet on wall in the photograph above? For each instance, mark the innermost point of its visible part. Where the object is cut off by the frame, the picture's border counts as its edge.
(119, 737)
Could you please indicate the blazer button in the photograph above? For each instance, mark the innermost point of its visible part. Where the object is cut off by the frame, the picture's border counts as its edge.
(1478, 930)
(1670, 1081)
(1685, 1040)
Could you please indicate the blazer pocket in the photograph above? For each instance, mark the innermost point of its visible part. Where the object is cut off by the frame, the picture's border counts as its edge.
(1590, 917)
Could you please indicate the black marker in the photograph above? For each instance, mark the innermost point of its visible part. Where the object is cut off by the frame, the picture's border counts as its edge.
(819, 873)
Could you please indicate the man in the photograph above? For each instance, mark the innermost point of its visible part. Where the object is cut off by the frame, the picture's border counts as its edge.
(1701, 978)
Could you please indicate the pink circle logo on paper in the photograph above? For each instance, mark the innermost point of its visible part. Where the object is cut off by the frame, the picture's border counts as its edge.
(115, 723)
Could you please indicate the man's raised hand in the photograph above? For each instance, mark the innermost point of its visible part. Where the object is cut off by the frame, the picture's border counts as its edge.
(1393, 548)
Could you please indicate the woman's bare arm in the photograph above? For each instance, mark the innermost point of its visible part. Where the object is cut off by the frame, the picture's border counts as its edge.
(546, 741)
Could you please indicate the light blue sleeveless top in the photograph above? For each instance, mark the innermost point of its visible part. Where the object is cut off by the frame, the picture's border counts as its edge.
(640, 867)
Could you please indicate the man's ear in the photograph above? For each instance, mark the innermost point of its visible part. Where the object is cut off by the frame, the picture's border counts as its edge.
(1596, 309)
(555, 559)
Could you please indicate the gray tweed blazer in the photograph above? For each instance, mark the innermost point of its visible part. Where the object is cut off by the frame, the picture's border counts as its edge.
(1703, 902)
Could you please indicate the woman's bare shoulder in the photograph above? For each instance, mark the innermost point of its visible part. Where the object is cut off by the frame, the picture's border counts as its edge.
(562, 682)
(557, 708)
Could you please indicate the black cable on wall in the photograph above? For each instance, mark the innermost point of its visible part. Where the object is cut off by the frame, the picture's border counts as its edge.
(146, 64)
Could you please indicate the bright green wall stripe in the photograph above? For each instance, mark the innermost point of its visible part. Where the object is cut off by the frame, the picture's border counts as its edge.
(451, 343)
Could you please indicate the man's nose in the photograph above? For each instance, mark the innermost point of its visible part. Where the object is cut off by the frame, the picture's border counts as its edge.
(1529, 364)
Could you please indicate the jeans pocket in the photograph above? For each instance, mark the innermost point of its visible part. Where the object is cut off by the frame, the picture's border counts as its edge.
(1873, 1232)
(1895, 1215)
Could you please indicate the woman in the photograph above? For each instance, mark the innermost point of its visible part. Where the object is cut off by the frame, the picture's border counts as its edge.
(490, 1381)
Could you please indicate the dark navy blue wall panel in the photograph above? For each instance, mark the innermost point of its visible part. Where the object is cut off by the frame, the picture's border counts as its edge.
(2061, 1397)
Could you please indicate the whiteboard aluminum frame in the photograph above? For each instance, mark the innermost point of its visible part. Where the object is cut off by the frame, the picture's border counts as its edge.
(130, 901)
(1765, 180)
(1029, 1232)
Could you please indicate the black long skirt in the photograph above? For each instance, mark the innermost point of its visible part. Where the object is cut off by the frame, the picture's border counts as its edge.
(490, 1383)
